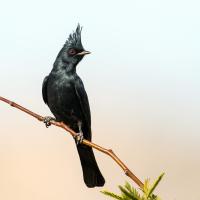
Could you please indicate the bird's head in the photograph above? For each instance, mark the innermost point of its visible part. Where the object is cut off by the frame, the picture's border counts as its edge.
(73, 51)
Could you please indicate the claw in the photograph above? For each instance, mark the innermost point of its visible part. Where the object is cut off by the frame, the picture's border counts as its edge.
(47, 120)
(79, 138)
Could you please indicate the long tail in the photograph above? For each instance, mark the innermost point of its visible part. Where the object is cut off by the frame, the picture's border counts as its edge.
(91, 173)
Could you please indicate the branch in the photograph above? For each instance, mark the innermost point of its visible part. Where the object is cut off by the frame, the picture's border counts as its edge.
(86, 142)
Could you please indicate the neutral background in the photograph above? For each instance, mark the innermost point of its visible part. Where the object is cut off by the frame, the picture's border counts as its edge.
(143, 84)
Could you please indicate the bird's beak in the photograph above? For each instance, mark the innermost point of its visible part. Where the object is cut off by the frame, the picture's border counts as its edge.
(82, 53)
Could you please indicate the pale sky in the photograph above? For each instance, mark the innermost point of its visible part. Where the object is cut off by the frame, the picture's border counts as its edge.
(143, 83)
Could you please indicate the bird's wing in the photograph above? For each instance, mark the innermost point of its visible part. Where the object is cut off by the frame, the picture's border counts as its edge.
(44, 89)
(85, 108)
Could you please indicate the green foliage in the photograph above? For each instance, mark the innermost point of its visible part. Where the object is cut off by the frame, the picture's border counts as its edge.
(130, 193)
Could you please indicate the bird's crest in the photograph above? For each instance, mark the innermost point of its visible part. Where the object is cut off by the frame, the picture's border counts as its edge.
(74, 38)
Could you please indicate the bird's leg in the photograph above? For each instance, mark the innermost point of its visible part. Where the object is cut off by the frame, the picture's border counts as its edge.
(79, 136)
(47, 120)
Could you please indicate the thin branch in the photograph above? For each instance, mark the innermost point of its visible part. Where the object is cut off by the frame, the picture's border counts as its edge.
(86, 142)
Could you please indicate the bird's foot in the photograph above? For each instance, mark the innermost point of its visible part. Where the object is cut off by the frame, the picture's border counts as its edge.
(79, 138)
(47, 120)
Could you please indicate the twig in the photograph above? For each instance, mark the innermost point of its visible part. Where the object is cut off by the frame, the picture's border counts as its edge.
(86, 142)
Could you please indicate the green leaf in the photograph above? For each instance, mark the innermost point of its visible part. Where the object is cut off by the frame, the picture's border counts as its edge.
(111, 194)
(126, 193)
(132, 190)
(145, 188)
(155, 185)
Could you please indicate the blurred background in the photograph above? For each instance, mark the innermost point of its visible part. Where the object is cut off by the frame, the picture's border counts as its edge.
(143, 83)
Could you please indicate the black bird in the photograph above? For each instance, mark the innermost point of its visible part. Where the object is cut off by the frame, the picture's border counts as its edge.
(64, 93)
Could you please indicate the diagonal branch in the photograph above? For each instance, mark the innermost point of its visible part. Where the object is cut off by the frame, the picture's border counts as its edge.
(86, 142)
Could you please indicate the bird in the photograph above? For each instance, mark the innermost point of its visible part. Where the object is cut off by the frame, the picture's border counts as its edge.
(64, 93)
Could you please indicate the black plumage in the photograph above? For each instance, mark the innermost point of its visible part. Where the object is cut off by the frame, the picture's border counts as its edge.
(63, 91)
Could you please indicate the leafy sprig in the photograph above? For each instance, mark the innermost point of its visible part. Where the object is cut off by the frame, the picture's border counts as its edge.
(130, 193)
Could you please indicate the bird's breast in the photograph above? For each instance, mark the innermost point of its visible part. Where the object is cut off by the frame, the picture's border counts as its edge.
(62, 99)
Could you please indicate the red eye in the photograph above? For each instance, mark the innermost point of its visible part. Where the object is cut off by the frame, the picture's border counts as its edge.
(72, 52)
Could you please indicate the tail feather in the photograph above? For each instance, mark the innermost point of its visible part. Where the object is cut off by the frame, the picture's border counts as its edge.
(91, 173)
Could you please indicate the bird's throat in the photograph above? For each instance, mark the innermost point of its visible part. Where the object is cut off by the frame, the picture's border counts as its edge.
(70, 68)
(64, 68)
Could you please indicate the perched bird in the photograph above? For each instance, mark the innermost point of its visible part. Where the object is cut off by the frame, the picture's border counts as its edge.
(64, 93)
